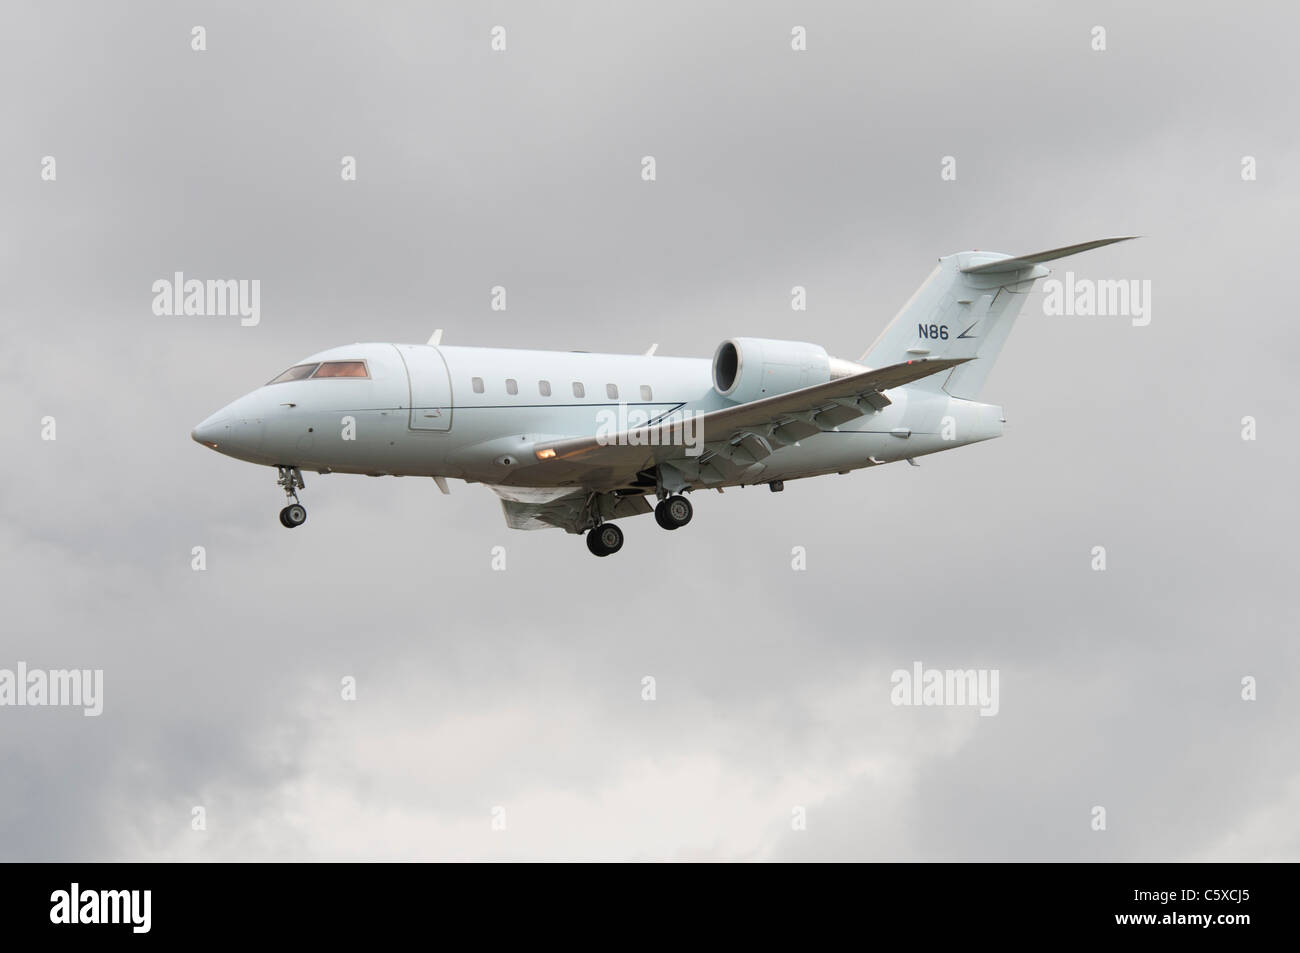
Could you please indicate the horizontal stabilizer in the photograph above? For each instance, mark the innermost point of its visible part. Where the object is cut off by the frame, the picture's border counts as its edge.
(1023, 262)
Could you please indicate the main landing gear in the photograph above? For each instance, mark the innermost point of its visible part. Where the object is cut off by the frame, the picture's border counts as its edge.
(605, 540)
(674, 512)
(295, 514)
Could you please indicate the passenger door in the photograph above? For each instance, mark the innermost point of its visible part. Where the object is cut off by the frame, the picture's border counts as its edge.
(430, 387)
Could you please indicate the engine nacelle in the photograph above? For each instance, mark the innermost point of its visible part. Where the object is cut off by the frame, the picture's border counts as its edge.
(746, 369)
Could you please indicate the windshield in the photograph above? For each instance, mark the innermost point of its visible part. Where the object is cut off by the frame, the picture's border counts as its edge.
(326, 369)
(296, 373)
(342, 369)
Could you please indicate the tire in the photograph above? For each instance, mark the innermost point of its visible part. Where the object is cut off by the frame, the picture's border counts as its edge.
(295, 514)
(674, 512)
(605, 540)
(679, 510)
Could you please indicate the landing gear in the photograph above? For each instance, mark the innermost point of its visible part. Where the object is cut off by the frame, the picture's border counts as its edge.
(295, 514)
(605, 540)
(674, 512)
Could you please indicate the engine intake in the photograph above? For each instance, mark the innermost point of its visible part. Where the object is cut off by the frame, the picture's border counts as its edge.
(746, 369)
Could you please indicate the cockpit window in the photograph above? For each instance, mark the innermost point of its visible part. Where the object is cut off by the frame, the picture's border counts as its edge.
(341, 369)
(296, 373)
(301, 372)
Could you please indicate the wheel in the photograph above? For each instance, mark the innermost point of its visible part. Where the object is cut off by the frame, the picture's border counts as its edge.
(295, 514)
(284, 522)
(674, 512)
(605, 539)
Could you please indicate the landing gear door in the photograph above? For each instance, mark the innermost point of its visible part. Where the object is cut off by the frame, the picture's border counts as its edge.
(430, 387)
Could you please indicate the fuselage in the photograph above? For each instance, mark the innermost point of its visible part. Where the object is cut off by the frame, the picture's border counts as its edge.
(478, 414)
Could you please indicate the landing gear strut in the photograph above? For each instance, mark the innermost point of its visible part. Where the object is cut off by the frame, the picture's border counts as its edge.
(674, 512)
(605, 540)
(295, 514)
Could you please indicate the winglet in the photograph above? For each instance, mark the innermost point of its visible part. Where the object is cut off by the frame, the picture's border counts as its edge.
(1023, 262)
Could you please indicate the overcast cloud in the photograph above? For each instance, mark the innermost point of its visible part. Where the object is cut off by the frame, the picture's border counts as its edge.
(521, 689)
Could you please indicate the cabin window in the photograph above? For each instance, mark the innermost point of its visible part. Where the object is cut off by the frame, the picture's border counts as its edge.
(477, 384)
(544, 388)
(611, 391)
(512, 386)
(646, 393)
(579, 390)
(296, 373)
(341, 369)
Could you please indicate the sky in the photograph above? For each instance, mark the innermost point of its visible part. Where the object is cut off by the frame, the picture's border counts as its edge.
(500, 714)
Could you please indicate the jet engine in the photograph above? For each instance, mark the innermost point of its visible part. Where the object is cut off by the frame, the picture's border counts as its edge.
(746, 369)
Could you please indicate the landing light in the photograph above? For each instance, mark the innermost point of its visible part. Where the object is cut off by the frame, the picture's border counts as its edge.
(546, 454)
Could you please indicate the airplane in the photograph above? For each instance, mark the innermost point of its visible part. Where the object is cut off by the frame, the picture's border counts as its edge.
(576, 440)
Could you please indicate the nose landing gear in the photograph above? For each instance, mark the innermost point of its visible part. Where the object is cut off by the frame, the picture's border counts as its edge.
(295, 514)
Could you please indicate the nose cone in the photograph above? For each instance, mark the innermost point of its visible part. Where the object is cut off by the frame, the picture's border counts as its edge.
(212, 431)
(236, 430)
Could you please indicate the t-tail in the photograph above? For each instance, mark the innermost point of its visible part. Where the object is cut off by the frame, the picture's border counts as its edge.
(966, 309)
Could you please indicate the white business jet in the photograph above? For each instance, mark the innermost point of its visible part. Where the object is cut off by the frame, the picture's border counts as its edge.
(577, 440)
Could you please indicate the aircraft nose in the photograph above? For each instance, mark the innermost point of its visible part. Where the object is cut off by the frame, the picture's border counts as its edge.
(212, 431)
(236, 430)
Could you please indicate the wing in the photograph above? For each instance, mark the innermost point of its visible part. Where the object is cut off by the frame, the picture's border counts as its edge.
(729, 440)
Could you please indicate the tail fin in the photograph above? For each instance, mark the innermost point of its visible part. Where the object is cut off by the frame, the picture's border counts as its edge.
(966, 309)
